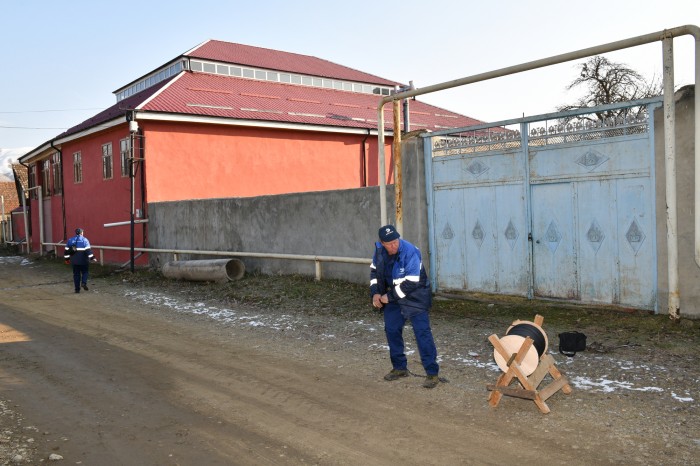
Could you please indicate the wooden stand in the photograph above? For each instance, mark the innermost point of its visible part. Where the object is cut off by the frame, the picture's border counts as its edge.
(528, 388)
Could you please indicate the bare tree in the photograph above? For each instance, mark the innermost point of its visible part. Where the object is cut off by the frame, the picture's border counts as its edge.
(609, 82)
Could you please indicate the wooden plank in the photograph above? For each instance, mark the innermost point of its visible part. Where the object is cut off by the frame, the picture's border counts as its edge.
(499, 347)
(542, 369)
(556, 375)
(553, 387)
(515, 392)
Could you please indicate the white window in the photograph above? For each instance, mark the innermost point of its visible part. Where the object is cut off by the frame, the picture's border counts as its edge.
(107, 161)
(125, 155)
(56, 172)
(77, 168)
(46, 178)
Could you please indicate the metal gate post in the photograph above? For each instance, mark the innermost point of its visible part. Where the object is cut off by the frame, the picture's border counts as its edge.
(525, 148)
(670, 163)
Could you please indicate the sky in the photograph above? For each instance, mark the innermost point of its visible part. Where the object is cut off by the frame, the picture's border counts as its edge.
(63, 60)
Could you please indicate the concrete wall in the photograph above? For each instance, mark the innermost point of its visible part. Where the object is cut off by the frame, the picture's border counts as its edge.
(689, 272)
(326, 223)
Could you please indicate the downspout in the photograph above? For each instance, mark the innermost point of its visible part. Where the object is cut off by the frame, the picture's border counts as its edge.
(63, 191)
(144, 206)
(665, 35)
(363, 161)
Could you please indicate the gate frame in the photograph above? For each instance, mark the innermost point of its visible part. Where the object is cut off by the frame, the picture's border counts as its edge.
(651, 103)
(666, 37)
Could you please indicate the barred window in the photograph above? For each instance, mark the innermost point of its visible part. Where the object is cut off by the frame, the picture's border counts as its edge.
(56, 169)
(46, 178)
(77, 167)
(107, 161)
(125, 155)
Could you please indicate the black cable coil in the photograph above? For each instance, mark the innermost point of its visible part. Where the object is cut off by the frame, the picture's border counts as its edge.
(529, 330)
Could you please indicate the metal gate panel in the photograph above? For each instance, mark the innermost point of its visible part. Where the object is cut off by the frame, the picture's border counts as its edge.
(636, 225)
(480, 223)
(598, 246)
(450, 252)
(554, 248)
(563, 211)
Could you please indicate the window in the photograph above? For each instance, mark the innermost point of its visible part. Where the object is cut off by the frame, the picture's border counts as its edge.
(32, 181)
(56, 169)
(77, 168)
(46, 178)
(107, 161)
(125, 155)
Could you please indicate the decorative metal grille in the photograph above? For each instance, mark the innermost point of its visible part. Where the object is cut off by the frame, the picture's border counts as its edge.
(492, 139)
(548, 132)
(586, 130)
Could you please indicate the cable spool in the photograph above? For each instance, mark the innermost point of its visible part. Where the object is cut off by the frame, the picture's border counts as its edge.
(514, 339)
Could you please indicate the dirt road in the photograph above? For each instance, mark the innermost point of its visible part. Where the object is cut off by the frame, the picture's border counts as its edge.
(107, 377)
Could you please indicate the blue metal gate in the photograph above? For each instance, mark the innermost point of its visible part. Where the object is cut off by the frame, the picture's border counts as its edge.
(542, 208)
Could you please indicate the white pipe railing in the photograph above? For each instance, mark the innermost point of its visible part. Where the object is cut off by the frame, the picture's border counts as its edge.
(664, 36)
(264, 255)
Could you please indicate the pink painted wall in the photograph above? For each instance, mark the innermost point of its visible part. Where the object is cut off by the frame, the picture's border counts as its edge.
(94, 201)
(188, 161)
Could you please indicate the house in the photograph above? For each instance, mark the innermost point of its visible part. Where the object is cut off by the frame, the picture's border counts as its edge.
(8, 203)
(222, 120)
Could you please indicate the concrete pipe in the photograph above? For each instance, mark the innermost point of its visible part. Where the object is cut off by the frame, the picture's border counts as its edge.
(217, 270)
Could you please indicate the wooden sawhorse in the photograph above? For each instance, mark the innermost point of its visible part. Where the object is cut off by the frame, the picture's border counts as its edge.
(528, 388)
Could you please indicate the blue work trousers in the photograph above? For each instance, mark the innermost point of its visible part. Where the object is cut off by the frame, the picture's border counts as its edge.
(394, 323)
(80, 275)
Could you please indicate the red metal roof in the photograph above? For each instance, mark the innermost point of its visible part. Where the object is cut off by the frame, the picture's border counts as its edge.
(282, 61)
(202, 94)
(248, 99)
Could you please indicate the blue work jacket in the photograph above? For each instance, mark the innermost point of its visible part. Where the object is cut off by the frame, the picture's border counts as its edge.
(406, 283)
(78, 250)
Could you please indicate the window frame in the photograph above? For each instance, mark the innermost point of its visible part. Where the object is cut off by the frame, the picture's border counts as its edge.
(125, 155)
(46, 178)
(107, 161)
(56, 169)
(77, 167)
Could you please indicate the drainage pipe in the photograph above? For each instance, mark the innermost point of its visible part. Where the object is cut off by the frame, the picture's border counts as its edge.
(216, 270)
(665, 35)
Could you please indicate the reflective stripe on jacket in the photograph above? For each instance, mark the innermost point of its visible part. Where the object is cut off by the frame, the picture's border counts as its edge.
(408, 284)
(78, 250)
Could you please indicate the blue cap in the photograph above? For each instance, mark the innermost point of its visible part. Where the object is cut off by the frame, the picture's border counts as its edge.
(388, 233)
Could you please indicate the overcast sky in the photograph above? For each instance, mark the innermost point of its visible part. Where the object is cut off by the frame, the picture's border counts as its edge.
(62, 60)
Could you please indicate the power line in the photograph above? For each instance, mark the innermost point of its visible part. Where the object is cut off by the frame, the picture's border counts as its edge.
(26, 127)
(45, 111)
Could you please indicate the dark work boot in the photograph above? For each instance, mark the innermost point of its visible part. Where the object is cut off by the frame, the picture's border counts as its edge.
(396, 374)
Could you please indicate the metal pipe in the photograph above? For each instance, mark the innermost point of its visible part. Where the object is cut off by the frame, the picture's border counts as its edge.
(382, 165)
(216, 270)
(697, 151)
(670, 164)
(4, 229)
(398, 193)
(263, 255)
(119, 224)
(26, 221)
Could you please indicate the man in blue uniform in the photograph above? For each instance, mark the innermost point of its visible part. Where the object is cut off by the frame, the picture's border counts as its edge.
(79, 255)
(400, 286)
